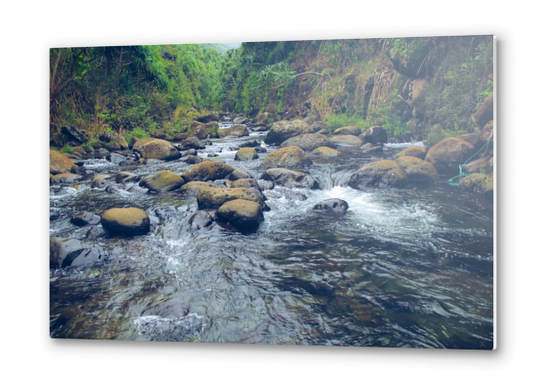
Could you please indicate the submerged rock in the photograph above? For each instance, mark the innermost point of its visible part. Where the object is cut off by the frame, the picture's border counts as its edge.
(332, 207)
(126, 177)
(162, 181)
(288, 157)
(479, 183)
(380, 174)
(288, 178)
(199, 220)
(126, 221)
(85, 218)
(207, 170)
(242, 214)
(70, 252)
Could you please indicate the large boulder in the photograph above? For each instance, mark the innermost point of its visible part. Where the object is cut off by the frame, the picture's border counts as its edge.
(126, 221)
(484, 113)
(308, 141)
(234, 130)
(284, 129)
(213, 198)
(241, 214)
(156, 149)
(70, 252)
(380, 174)
(349, 130)
(376, 135)
(331, 207)
(484, 165)
(162, 181)
(288, 178)
(288, 157)
(59, 163)
(473, 138)
(246, 183)
(245, 154)
(418, 170)
(447, 155)
(207, 170)
(347, 140)
(325, 152)
(414, 151)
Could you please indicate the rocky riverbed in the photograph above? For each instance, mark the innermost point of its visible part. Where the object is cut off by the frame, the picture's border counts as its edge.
(278, 234)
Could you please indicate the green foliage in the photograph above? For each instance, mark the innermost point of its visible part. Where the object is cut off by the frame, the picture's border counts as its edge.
(338, 121)
(66, 149)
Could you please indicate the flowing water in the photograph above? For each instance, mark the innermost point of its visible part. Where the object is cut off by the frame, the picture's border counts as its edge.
(402, 268)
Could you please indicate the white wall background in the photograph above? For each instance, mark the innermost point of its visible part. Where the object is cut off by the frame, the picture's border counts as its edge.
(29, 28)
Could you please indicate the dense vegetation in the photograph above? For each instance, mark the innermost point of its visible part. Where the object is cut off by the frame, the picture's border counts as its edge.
(425, 87)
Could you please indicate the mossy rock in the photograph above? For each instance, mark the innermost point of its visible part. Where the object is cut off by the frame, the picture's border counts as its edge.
(347, 140)
(156, 149)
(447, 155)
(478, 183)
(234, 130)
(245, 154)
(207, 170)
(59, 163)
(325, 152)
(192, 188)
(239, 174)
(380, 174)
(349, 130)
(213, 198)
(308, 141)
(283, 130)
(418, 171)
(126, 221)
(414, 151)
(289, 157)
(241, 214)
(245, 183)
(162, 181)
(480, 166)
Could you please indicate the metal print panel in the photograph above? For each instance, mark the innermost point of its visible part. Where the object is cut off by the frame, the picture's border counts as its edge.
(331, 193)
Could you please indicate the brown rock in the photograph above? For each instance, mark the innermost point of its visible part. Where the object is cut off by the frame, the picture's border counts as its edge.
(325, 152)
(284, 129)
(308, 141)
(288, 157)
(347, 140)
(415, 151)
(447, 155)
(156, 149)
(207, 170)
(241, 214)
(245, 154)
(59, 163)
(192, 188)
(484, 112)
(234, 130)
(162, 181)
(350, 130)
(418, 170)
(127, 221)
(380, 174)
(213, 198)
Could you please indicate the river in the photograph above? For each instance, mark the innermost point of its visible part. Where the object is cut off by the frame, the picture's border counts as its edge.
(403, 267)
